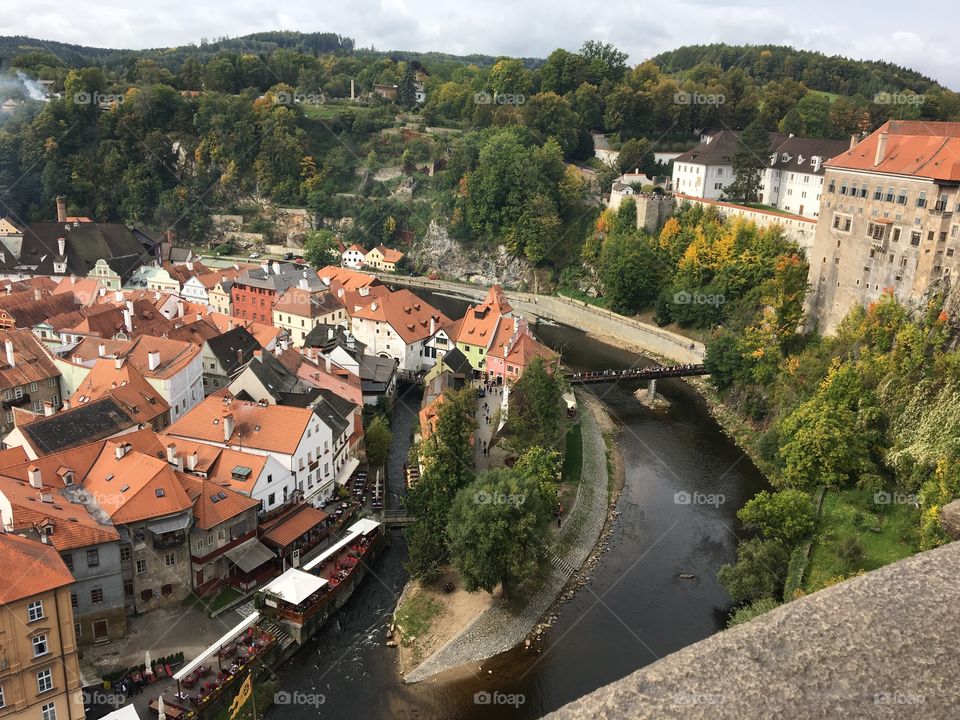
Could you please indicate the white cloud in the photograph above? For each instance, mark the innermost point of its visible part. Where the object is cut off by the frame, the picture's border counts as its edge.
(507, 27)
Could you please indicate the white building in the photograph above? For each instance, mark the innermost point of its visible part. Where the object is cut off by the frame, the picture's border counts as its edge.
(353, 257)
(399, 325)
(792, 182)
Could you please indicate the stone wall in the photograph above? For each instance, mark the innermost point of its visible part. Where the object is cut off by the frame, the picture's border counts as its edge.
(799, 229)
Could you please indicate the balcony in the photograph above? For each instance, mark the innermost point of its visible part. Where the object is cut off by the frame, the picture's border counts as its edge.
(165, 541)
(941, 208)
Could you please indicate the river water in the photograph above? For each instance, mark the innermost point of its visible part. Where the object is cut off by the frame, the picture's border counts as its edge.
(684, 483)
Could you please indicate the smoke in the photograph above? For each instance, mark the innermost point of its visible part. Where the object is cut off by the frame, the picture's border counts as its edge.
(32, 87)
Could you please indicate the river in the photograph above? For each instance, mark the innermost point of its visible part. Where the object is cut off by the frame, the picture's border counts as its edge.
(636, 607)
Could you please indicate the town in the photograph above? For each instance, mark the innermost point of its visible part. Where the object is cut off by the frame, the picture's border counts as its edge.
(348, 382)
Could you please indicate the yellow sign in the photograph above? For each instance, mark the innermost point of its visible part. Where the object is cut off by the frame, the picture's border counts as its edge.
(245, 691)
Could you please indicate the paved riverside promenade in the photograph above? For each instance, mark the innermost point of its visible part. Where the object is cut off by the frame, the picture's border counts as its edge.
(499, 629)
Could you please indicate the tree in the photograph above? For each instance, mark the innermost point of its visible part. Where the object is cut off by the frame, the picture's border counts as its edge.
(550, 116)
(637, 154)
(605, 61)
(631, 272)
(749, 160)
(537, 229)
(758, 572)
(498, 529)
(541, 466)
(320, 247)
(754, 609)
(407, 92)
(377, 439)
(784, 517)
(724, 361)
(535, 416)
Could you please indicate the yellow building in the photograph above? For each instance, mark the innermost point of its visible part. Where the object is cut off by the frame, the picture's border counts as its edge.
(383, 258)
(39, 672)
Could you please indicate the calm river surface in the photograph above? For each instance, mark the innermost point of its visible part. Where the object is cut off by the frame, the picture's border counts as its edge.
(635, 610)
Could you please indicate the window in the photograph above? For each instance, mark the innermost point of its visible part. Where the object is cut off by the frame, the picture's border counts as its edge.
(914, 238)
(39, 645)
(48, 711)
(902, 197)
(68, 561)
(843, 188)
(124, 553)
(199, 544)
(44, 681)
(96, 595)
(922, 200)
(38, 406)
(34, 386)
(170, 559)
(74, 603)
(138, 535)
(878, 192)
(35, 611)
(271, 499)
(141, 567)
(889, 195)
(896, 235)
(832, 186)
(93, 558)
(2, 701)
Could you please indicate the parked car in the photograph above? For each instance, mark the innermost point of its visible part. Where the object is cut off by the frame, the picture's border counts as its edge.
(288, 256)
(300, 260)
(254, 255)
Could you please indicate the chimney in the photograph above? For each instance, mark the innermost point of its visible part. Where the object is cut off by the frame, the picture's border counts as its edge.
(192, 461)
(37, 294)
(330, 332)
(881, 148)
(101, 350)
(62, 246)
(120, 451)
(66, 404)
(276, 268)
(118, 362)
(190, 265)
(227, 426)
(48, 409)
(172, 453)
(433, 325)
(34, 474)
(61, 209)
(11, 358)
(258, 355)
(854, 139)
(266, 268)
(326, 359)
(180, 308)
(127, 320)
(118, 296)
(153, 359)
(304, 285)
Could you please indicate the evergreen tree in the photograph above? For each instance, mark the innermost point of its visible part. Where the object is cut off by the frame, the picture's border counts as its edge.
(751, 157)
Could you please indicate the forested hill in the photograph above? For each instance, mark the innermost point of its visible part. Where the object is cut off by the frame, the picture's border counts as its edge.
(827, 73)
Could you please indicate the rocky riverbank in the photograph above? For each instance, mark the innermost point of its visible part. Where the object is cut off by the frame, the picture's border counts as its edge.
(503, 627)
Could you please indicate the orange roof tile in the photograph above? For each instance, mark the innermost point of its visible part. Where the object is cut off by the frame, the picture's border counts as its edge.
(501, 338)
(175, 355)
(290, 527)
(526, 348)
(913, 147)
(389, 254)
(31, 362)
(36, 568)
(275, 428)
(213, 504)
(73, 527)
(406, 313)
(125, 385)
(350, 279)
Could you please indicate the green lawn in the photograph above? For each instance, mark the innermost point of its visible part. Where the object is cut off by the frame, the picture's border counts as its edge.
(573, 459)
(212, 604)
(884, 532)
(414, 616)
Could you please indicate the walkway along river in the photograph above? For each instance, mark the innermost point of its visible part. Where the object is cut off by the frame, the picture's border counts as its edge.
(684, 483)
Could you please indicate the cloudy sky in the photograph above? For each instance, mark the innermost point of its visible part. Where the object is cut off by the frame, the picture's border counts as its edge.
(884, 30)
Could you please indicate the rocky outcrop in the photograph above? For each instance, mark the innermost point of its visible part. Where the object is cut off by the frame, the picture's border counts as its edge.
(437, 252)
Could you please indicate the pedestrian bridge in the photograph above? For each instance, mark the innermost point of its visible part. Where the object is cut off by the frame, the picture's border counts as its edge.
(655, 372)
(398, 518)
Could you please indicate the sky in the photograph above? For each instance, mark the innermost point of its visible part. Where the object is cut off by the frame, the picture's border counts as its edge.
(884, 30)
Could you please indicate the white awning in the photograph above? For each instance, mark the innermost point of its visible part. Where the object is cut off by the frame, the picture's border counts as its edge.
(247, 622)
(361, 527)
(171, 524)
(250, 555)
(294, 586)
(127, 712)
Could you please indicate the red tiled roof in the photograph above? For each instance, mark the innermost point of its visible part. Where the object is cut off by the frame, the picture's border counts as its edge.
(406, 313)
(292, 526)
(913, 147)
(32, 568)
(31, 362)
(213, 503)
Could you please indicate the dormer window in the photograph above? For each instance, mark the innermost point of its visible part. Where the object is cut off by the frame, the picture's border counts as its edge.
(60, 268)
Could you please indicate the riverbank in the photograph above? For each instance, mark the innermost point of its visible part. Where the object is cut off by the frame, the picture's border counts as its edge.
(504, 626)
